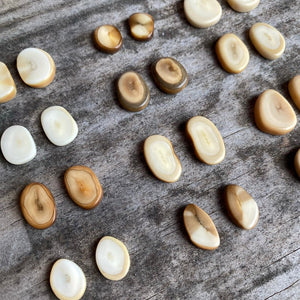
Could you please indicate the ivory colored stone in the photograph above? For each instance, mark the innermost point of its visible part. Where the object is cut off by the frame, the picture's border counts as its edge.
(243, 5)
(207, 140)
(273, 114)
(36, 67)
(241, 207)
(67, 280)
(112, 258)
(7, 85)
(108, 38)
(200, 228)
(161, 158)
(38, 206)
(267, 40)
(58, 125)
(141, 26)
(17, 145)
(202, 13)
(83, 186)
(294, 89)
(169, 75)
(232, 53)
(133, 92)
(297, 162)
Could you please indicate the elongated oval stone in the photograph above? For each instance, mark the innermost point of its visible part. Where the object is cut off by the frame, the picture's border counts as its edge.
(112, 258)
(297, 162)
(232, 53)
(36, 67)
(273, 114)
(294, 90)
(207, 140)
(7, 85)
(58, 125)
(241, 207)
(243, 5)
(38, 206)
(161, 158)
(108, 38)
(202, 13)
(133, 92)
(83, 186)
(67, 280)
(141, 26)
(200, 228)
(267, 40)
(169, 75)
(17, 145)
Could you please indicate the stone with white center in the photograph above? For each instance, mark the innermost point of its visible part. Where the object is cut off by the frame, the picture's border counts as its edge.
(200, 228)
(36, 67)
(232, 53)
(161, 158)
(7, 85)
(58, 125)
(273, 113)
(202, 13)
(267, 40)
(241, 207)
(67, 280)
(207, 140)
(294, 89)
(112, 258)
(17, 145)
(141, 26)
(243, 5)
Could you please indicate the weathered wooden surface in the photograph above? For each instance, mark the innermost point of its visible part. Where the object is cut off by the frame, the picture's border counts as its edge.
(143, 212)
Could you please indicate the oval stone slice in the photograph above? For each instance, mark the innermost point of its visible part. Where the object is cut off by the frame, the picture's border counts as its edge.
(232, 53)
(297, 162)
(202, 13)
(241, 207)
(17, 145)
(169, 75)
(83, 186)
(38, 206)
(108, 38)
(161, 158)
(133, 92)
(141, 26)
(207, 140)
(243, 5)
(200, 228)
(7, 85)
(294, 90)
(267, 40)
(273, 113)
(112, 258)
(67, 280)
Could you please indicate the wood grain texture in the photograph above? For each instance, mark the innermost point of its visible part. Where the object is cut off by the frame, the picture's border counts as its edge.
(136, 208)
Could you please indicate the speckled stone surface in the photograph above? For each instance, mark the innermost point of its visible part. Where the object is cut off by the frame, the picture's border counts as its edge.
(136, 208)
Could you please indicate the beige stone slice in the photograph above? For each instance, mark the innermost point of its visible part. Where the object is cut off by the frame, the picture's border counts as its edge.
(273, 114)
(141, 26)
(108, 38)
(161, 158)
(294, 89)
(7, 85)
(267, 40)
(200, 228)
(243, 5)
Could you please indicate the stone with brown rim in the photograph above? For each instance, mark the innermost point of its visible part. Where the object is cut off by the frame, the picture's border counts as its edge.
(141, 26)
(108, 38)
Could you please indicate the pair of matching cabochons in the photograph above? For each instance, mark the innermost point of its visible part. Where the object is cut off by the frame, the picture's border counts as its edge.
(242, 210)
(18, 146)
(206, 139)
(206, 13)
(36, 68)
(38, 205)
(233, 54)
(67, 280)
(168, 74)
(108, 38)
